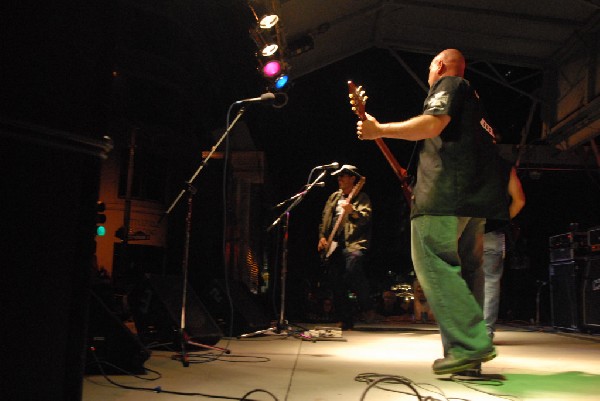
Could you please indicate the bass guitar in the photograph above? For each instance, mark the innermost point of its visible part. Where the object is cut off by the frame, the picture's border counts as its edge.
(358, 101)
(331, 244)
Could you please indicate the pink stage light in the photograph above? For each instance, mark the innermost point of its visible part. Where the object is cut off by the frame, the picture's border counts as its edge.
(272, 68)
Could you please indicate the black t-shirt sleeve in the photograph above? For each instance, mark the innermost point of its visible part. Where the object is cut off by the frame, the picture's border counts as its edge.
(445, 97)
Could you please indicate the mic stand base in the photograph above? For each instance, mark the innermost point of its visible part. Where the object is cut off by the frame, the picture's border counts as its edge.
(280, 329)
(183, 356)
(277, 330)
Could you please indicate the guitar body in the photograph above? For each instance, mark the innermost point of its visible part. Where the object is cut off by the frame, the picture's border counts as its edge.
(358, 101)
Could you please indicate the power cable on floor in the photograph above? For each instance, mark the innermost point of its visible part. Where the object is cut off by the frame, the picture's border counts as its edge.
(376, 380)
(159, 389)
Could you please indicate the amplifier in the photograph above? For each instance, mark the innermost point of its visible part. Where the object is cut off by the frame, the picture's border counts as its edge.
(565, 298)
(560, 254)
(593, 239)
(590, 288)
(571, 239)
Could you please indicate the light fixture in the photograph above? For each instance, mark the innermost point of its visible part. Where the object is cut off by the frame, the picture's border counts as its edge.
(272, 68)
(269, 49)
(270, 41)
(281, 81)
(264, 13)
(268, 21)
(265, 41)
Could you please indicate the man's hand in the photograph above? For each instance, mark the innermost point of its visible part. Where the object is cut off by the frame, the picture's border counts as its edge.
(322, 244)
(369, 128)
(348, 208)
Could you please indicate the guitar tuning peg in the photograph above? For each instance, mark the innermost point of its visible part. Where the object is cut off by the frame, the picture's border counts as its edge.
(353, 108)
(359, 88)
(350, 95)
(365, 98)
(362, 93)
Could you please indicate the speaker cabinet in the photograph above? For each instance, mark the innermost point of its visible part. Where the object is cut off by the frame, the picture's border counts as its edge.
(565, 294)
(591, 293)
(248, 315)
(117, 350)
(50, 182)
(156, 306)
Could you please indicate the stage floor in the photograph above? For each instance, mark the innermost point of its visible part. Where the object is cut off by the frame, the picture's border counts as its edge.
(532, 364)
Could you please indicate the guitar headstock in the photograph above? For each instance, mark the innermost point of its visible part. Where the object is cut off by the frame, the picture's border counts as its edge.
(357, 99)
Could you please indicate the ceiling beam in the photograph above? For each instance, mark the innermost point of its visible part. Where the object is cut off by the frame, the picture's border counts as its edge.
(491, 12)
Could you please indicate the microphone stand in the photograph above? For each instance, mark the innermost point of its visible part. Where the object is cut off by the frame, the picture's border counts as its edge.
(282, 327)
(191, 191)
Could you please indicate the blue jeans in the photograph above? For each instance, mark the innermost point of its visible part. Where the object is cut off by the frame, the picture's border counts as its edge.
(488, 293)
(444, 248)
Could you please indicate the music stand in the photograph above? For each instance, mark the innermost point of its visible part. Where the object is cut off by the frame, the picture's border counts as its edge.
(191, 191)
(282, 327)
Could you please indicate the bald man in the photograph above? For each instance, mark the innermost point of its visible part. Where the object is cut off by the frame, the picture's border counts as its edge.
(458, 185)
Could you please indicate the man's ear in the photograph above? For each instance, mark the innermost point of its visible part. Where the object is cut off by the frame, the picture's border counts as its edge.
(440, 66)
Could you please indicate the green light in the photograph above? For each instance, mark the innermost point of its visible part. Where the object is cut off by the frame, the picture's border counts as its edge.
(100, 218)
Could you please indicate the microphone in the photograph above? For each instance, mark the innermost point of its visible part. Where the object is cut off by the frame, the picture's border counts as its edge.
(265, 97)
(317, 184)
(328, 166)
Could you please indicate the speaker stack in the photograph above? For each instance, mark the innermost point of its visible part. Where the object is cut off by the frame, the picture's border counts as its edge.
(156, 306)
(574, 275)
(111, 347)
(591, 283)
(235, 308)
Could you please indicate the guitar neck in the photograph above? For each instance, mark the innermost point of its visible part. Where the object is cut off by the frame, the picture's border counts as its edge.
(357, 100)
(398, 169)
(401, 172)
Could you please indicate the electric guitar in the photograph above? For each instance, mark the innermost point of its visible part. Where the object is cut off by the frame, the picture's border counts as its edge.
(358, 101)
(331, 244)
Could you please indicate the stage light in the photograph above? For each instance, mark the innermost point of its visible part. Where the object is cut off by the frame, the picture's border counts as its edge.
(268, 21)
(265, 41)
(271, 68)
(281, 81)
(100, 219)
(270, 40)
(269, 50)
(264, 13)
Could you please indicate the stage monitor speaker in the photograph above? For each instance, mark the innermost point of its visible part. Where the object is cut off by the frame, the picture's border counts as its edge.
(156, 308)
(117, 350)
(565, 294)
(248, 315)
(591, 293)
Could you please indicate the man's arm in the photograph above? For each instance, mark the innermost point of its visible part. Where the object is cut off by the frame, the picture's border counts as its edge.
(517, 196)
(420, 127)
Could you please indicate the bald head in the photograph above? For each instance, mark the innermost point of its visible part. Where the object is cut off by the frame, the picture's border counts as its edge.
(454, 61)
(449, 62)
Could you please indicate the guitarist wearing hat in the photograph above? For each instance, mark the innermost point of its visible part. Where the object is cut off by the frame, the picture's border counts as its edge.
(344, 236)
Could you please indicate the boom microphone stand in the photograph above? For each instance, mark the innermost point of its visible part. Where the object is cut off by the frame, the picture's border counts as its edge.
(282, 327)
(191, 191)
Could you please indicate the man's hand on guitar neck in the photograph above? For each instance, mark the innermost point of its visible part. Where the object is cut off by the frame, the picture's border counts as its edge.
(369, 128)
(347, 206)
(348, 210)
